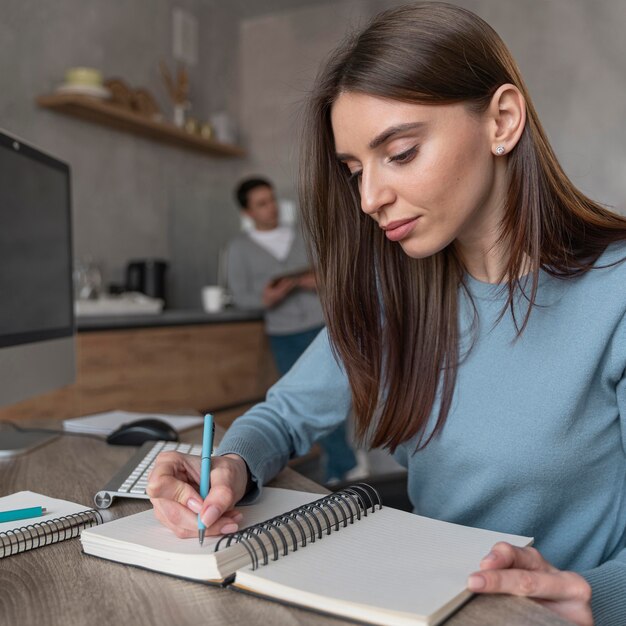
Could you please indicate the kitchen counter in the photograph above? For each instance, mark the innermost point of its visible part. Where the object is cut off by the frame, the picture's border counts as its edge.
(170, 317)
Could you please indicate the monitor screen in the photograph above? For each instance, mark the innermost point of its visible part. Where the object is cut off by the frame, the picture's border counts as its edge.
(35, 250)
(36, 296)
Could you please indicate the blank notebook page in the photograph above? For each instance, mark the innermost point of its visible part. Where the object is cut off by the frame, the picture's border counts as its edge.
(391, 559)
(144, 531)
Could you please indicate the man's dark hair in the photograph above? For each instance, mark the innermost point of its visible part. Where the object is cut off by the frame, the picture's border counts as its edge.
(246, 186)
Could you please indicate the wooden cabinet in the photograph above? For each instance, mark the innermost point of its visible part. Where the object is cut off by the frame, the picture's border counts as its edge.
(162, 369)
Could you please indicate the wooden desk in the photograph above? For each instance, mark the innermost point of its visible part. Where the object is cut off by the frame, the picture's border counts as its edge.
(58, 585)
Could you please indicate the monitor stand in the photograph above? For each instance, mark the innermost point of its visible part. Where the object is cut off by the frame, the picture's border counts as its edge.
(14, 442)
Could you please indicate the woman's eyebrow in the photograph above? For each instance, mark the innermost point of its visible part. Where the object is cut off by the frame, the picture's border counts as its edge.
(386, 135)
(392, 131)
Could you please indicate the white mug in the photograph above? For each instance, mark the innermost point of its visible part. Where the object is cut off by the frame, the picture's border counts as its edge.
(213, 298)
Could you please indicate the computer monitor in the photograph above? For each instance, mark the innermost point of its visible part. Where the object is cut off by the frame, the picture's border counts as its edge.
(36, 295)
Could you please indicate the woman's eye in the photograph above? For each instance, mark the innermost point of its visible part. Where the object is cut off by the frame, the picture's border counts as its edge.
(355, 175)
(404, 157)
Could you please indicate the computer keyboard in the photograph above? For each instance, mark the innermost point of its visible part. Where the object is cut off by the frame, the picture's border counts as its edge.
(132, 479)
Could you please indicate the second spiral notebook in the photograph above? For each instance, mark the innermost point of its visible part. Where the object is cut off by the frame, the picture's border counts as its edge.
(342, 554)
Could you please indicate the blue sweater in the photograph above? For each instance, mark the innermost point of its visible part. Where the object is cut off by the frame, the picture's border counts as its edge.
(535, 441)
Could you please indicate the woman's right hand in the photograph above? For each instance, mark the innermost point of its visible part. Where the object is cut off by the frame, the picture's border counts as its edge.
(173, 491)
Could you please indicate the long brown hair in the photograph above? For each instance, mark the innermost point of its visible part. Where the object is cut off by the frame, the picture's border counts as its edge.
(392, 320)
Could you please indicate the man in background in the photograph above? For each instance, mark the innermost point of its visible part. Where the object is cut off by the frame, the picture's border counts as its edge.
(268, 268)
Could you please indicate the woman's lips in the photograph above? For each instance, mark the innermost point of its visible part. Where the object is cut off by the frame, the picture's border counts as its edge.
(398, 230)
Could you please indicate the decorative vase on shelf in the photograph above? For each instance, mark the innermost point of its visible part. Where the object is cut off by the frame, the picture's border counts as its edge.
(178, 89)
(180, 114)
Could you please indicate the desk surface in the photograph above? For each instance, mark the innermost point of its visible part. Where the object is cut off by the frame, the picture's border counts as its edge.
(57, 584)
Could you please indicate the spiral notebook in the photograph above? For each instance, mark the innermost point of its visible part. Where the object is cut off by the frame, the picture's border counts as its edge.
(343, 555)
(63, 520)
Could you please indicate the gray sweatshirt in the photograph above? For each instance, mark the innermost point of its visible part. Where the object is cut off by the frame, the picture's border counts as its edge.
(250, 268)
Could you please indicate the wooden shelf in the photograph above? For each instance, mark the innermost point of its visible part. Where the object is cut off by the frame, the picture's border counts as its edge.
(102, 112)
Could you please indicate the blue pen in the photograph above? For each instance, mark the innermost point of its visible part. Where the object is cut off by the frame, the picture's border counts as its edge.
(205, 468)
(17, 514)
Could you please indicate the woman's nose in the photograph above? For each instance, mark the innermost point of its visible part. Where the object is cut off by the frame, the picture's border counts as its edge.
(375, 193)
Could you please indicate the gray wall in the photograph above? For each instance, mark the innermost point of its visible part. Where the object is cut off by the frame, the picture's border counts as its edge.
(136, 198)
(571, 52)
(132, 197)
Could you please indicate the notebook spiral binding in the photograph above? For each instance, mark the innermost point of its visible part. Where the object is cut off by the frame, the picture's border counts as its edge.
(336, 510)
(45, 533)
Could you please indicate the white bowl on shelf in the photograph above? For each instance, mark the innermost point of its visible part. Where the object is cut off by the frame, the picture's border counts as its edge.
(94, 91)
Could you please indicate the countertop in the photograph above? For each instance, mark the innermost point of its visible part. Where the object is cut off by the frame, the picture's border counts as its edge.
(169, 317)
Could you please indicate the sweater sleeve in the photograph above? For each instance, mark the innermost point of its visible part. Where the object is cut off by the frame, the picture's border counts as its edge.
(608, 581)
(608, 591)
(310, 401)
(246, 295)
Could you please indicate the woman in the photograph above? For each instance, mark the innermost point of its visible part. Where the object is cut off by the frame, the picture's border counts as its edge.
(476, 302)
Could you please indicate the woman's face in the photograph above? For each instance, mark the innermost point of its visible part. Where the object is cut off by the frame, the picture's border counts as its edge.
(426, 173)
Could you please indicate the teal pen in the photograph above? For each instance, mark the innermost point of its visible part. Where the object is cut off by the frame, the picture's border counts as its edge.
(205, 468)
(12, 516)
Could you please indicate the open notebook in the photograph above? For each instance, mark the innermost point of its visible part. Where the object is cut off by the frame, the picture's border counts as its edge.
(341, 554)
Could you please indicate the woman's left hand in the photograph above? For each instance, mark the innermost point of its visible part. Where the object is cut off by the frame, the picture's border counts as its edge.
(524, 572)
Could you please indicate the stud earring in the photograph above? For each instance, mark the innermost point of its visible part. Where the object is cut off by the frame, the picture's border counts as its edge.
(500, 150)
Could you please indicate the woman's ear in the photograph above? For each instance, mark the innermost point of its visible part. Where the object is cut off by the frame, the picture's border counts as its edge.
(507, 117)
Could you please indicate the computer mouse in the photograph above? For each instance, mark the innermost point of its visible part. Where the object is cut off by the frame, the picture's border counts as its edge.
(137, 432)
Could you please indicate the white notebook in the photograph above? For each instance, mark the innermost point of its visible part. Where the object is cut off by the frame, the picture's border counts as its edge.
(62, 520)
(105, 423)
(386, 567)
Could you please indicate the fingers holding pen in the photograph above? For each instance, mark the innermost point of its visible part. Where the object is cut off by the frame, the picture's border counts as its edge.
(183, 522)
(178, 518)
(229, 477)
(177, 505)
(214, 511)
(219, 495)
(175, 476)
(173, 490)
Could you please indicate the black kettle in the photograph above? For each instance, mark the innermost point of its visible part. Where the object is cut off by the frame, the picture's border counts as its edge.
(147, 276)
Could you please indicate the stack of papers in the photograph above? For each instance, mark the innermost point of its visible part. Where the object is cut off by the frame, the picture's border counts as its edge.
(105, 423)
